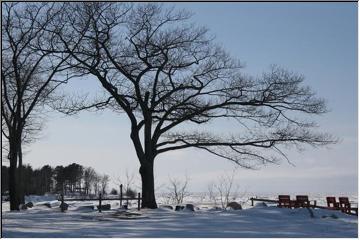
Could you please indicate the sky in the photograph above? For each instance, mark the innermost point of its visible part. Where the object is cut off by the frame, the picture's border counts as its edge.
(318, 40)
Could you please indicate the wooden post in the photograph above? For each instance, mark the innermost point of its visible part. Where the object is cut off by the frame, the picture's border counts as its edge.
(121, 194)
(99, 202)
(62, 203)
(138, 201)
(252, 201)
(314, 203)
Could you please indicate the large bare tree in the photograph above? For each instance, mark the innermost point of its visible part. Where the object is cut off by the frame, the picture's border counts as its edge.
(28, 80)
(168, 76)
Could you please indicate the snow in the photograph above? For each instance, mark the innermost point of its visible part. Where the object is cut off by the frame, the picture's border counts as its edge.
(258, 221)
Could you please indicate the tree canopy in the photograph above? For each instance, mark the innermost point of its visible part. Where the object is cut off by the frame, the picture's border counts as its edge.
(165, 73)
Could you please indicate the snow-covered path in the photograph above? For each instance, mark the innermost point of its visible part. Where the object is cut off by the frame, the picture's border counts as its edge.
(253, 222)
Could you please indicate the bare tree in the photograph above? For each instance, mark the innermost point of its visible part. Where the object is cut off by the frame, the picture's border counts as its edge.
(128, 181)
(29, 77)
(104, 182)
(168, 75)
(178, 190)
(223, 190)
(90, 178)
(96, 184)
(212, 193)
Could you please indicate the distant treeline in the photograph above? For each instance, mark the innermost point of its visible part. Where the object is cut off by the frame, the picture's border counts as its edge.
(70, 179)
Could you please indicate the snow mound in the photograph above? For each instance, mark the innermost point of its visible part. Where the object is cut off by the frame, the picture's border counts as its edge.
(256, 222)
(260, 205)
(84, 208)
(37, 198)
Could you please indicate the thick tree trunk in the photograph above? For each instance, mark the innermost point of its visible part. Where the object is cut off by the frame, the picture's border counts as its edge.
(13, 191)
(21, 192)
(146, 159)
(148, 189)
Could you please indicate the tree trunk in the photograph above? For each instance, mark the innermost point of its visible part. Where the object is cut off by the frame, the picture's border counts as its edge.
(21, 192)
(146, 159)
(13, 191)
(148, 189)
(13, 175)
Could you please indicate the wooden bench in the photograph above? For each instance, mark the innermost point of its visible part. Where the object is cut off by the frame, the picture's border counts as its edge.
(284, 201)
(302, 201)
(331, 203)
(344, 204)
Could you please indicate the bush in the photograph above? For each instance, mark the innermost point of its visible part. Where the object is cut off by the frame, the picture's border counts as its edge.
(114, 191)
(130, 193)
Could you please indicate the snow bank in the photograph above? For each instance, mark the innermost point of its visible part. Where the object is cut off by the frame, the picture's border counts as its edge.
(257, 222)
(37, 198)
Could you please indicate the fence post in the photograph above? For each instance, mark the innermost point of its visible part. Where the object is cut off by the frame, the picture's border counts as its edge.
(62, 203)
(138, 201)
(121, 195)
(252, 201)
(99, 202)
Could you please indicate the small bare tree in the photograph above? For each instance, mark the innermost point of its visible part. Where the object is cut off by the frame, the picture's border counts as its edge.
(96, 184)
(212, 193)
(104, 181)
(128, 181)
(178, 190)
(90, 178)
(224, 190)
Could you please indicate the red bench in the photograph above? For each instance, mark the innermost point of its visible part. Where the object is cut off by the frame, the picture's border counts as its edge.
(331, 203)
(284, 201)
(302, 201)
(344, 204)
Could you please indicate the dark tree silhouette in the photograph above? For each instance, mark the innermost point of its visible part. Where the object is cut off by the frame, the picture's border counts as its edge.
(73, 175)
(28, 80)
(104, 182)
(4, 179)
(41, 180)
(90, 176)
(38, 181)
(46, 173)
(28, 176)
(168, 76)
(59, 177)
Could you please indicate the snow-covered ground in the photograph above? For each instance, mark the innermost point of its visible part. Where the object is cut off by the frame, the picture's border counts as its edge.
(259, 221)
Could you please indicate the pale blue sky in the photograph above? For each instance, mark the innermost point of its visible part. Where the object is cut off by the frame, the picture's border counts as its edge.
(318, 40)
